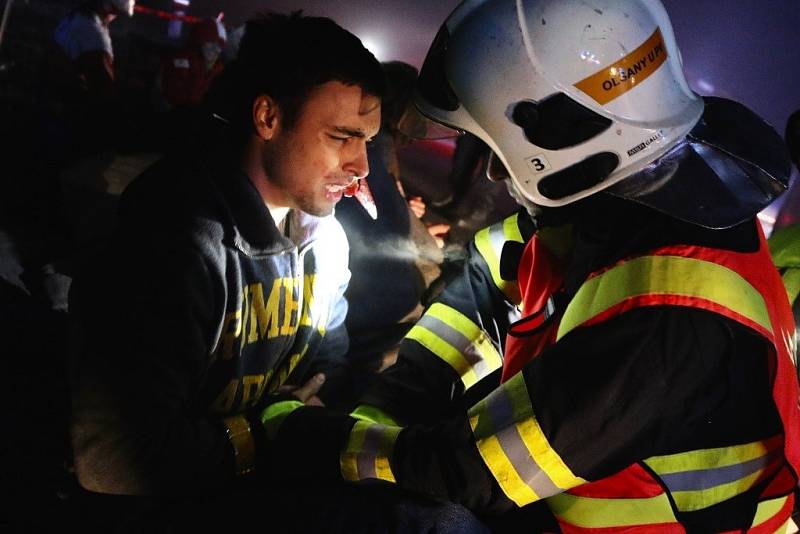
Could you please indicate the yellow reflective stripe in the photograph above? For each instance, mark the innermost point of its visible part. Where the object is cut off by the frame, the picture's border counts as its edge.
(702, 478)
(791, 281)
(445, 351)
(590, 512)
(372, 414)
(241, 439)
(670, 275)
(457, 340)
(511, 228)
(784, 247)
(707, 458)
(489, 242)
(547, 458)
(471, 331)
(367, 452)
(767, 509)
(273, 415)
(457, 320)
(515, 449)
(498, 463)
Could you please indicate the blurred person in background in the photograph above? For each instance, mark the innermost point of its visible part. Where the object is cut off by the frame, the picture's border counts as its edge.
(183, 81)
(187, 73)
(87, 78)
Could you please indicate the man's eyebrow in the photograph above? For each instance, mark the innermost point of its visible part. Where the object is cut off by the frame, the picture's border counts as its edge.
(352, 132)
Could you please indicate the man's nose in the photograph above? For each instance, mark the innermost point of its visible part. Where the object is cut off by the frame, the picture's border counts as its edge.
(356, 164)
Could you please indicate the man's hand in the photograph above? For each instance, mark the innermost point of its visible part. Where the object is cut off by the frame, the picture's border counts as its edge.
(439, 232)
(307, 393)
(417, 206)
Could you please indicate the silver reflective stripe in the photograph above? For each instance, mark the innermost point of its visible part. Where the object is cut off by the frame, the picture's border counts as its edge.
(369, 451)
(501, 412)
(701, 479)
(459, 341)
(497, 237)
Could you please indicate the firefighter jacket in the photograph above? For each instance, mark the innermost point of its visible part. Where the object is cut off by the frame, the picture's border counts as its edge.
(197, 309)
(659, 396)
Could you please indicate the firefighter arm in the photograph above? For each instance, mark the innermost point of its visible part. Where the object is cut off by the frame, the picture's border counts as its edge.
(455, 349)
(433, 460)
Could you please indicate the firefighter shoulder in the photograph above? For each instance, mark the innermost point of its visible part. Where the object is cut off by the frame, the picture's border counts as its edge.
(453, 355)
(648, 383)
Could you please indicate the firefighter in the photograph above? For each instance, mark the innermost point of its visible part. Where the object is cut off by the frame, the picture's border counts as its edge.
(642, 335)
(187, 73)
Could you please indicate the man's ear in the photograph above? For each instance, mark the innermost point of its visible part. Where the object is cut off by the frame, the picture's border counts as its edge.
(266, 116)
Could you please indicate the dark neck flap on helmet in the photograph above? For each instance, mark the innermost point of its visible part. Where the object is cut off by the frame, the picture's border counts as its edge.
(727, 169)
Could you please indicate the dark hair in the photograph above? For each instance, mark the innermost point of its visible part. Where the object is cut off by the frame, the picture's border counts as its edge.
(400, 81)
(285, 57)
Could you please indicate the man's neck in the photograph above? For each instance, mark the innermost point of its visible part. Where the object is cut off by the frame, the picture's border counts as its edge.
(270, 194)
(278, 215)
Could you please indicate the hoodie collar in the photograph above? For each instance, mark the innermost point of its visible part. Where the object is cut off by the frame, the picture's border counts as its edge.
(255, 232)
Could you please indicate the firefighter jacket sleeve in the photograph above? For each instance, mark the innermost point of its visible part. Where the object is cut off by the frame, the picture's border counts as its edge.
(646, 383)
(455, 348)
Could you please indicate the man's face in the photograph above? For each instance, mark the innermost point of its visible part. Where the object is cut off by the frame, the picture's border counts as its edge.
(310, 164)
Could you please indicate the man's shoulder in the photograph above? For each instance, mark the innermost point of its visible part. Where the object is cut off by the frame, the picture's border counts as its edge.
(175, 195)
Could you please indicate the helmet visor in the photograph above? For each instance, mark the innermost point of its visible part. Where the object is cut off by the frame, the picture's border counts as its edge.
(415, 125)
(727, 169)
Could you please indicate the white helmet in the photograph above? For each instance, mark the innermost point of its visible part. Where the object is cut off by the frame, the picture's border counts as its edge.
(572, 96)
(123, 7)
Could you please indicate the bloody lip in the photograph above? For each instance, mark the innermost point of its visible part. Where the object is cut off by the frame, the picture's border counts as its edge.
(352, 189)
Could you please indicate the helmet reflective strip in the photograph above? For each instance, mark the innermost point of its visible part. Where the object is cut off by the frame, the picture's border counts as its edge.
(489, 242)
(458, 341)
(617, 79)
(514, 447)
(684, 280)
(367, 453)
